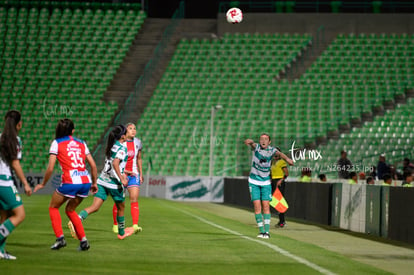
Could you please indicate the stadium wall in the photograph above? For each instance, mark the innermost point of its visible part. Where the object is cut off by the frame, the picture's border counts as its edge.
(177, 188)
(184, 188)
(401, 214)
(376, 210)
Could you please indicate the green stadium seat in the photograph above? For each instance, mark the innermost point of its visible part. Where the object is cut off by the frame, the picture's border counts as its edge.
(44, 59)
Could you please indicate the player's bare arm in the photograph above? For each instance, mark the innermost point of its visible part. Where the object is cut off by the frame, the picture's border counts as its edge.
(139, 165)
(94, 173)
(286, 158)
(115, 165)
(48, 173)
(15, 164)
(250, 142)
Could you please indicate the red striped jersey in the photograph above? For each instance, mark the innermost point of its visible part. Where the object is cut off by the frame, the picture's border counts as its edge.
(71, 153)
(133, 147)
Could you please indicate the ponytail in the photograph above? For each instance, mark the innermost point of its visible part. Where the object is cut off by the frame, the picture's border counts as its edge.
(114, 135)
(8, 140)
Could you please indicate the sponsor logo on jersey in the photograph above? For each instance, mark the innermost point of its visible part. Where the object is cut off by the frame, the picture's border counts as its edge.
(76, 173)
(73, 146)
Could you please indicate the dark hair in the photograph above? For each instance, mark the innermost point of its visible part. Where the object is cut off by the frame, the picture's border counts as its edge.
(352, 174)
(116, 133)
(387, 177)
(8, 139)
(369, 179)
(306, 171)
(406, 175)
(322, 176)
(64, 128)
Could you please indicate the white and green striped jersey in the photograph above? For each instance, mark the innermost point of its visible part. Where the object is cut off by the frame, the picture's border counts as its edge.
(5, 169)
(108, 176)
(261, 163)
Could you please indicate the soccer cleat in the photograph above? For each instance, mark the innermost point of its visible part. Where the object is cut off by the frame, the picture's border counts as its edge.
(115, 228)
(60, 242)
(260, 235)
(128, 232)
(281, 224)
(84, 245)
(266, 235)
(72, 230)
(6, 256)
(137, 228)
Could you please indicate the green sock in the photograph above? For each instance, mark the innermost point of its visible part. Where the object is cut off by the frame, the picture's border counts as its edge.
(259, 221)
(5, 229)
(83, 215)
(121, 225)
(266, 218)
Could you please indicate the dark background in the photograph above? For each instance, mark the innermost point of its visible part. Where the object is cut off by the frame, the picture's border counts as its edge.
(210, 8)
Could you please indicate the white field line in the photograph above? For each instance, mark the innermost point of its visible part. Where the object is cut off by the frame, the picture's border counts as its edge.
(271, 246)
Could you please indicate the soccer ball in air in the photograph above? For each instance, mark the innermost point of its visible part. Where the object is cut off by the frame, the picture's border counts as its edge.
(234, 15)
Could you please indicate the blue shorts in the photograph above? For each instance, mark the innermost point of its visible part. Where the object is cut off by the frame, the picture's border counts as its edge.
(74, 190)
(134, 181)
(260, 192)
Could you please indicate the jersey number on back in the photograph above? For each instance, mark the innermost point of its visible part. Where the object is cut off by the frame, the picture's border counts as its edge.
(108, 166)
(77, 161)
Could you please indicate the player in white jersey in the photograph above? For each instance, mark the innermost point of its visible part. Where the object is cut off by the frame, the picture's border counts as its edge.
(133, 170)
(11, 204)
(112, 181)
(259, 181)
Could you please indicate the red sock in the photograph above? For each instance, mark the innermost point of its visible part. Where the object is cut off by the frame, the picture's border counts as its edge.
(134, 212)
(114, 214)
(77, 223)
(56, 221)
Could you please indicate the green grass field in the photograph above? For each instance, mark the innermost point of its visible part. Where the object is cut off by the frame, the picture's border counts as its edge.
(177, 238)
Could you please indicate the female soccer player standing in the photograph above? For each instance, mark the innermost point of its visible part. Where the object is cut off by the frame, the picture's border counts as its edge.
(112, 181)
(259, 181)
(133, 170)
(10, 201)
(71, 153)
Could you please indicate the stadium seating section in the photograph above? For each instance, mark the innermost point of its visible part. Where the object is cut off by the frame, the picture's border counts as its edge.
(238, 72)
(57, 62)
(353, 76)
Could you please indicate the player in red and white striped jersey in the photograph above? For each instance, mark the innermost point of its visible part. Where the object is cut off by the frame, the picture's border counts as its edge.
(76, 183)
(133, 170)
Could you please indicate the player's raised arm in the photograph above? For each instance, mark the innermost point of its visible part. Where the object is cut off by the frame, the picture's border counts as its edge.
(286, 158)
(250, 142)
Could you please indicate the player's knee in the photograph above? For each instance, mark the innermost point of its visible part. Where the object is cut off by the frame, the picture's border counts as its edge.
(19, 216)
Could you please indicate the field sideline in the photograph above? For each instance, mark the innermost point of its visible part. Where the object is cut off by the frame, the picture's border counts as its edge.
(195, 238)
